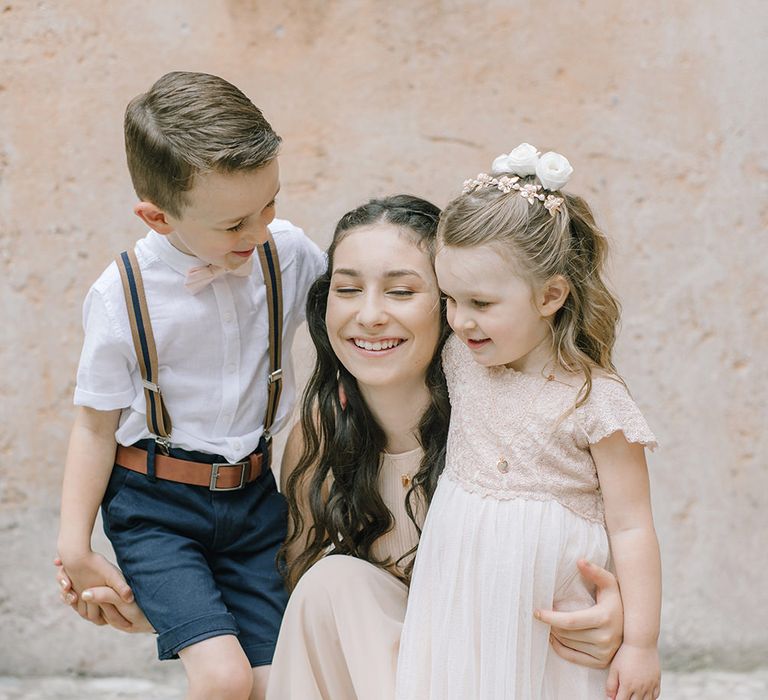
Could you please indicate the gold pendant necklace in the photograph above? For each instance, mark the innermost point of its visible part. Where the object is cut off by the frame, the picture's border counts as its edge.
(503, 465)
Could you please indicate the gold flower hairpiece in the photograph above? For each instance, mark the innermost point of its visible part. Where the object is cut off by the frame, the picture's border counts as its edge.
(506, 184)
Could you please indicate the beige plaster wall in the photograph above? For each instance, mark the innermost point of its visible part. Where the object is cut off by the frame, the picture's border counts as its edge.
(659, 105)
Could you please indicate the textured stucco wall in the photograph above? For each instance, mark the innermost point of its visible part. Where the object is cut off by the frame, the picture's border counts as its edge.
(661, 108)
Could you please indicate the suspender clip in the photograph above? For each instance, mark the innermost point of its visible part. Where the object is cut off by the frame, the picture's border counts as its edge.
(164, 444)
(275, 376)
(150, 385)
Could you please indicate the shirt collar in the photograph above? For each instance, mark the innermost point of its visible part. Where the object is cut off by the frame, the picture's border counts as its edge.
(174, 258)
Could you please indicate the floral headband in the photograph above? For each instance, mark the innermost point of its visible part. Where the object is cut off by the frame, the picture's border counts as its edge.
(552, 169)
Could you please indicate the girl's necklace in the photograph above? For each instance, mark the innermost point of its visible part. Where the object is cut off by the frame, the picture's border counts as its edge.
(503, 464)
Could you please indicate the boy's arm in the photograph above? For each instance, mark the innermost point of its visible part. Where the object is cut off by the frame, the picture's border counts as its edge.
(624, 482)
(89, 462)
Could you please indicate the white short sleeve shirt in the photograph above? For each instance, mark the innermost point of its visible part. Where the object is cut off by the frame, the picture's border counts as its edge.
(211, 346)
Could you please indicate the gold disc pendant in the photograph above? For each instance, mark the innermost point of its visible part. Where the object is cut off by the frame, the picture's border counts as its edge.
(406, 480)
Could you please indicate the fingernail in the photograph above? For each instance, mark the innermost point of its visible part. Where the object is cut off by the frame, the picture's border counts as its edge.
(86, 595)
(537, 614)
(62, 583)
(70, 598)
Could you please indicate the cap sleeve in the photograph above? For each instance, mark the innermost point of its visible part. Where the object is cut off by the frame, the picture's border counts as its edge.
(610, 409)
(104, 379)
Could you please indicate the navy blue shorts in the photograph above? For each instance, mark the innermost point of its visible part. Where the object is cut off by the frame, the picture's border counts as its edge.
(201, 563)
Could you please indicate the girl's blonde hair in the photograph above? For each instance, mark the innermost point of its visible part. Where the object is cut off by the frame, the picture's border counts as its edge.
(542, 246)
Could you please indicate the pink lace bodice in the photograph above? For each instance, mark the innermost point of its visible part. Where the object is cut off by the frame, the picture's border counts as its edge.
(516, 435)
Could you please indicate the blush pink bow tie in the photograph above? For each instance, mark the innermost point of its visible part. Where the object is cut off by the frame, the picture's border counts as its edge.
(200, 277)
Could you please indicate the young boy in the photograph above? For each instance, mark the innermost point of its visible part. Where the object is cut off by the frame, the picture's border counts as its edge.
(173, 440)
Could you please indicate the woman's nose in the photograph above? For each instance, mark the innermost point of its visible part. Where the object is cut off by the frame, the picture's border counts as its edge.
(371, 312)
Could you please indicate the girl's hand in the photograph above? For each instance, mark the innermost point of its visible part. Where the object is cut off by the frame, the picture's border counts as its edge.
(113, 608)
(589, 637)
(635, 674)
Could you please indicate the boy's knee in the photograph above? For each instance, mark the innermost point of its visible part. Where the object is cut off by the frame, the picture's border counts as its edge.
(228, 681)
(218, 668)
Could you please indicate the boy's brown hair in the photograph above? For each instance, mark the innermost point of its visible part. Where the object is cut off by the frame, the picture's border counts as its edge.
(189, 123)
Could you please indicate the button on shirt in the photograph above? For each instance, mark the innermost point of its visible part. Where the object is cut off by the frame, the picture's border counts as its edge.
(211, 347)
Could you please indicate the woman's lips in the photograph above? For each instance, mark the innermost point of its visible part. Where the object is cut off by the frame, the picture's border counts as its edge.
(373, 348)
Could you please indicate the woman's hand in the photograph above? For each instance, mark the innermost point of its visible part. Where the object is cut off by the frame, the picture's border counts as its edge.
(114, 609)
(589, 637)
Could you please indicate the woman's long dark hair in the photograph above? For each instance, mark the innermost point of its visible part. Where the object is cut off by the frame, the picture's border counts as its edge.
(349, 515)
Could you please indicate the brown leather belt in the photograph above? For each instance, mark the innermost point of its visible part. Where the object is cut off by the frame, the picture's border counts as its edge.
(220, 476)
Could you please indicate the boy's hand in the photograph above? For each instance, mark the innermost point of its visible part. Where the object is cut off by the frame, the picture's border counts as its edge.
(635, 674)
(90, 570)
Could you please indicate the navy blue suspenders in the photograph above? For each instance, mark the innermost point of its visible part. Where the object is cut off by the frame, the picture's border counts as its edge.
(158, 419)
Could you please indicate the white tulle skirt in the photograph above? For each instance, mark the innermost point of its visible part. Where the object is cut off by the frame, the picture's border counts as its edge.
(482, 567)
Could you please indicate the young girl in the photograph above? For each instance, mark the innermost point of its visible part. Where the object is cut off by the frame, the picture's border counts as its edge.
(545, 460)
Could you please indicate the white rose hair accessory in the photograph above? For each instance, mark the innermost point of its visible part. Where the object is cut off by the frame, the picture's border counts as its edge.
(552, 169)
(520, 161)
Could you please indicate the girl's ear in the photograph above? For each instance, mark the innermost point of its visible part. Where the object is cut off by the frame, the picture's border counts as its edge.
(154, 217)
(553, 295)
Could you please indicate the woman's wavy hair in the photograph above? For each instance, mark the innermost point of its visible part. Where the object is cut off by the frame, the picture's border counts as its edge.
(542, 246)
(343, 446)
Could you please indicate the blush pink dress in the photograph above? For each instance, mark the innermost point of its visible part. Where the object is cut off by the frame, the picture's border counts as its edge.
(516, 507)
(341, 631)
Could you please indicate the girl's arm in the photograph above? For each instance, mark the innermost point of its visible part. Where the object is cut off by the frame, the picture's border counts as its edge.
(624, 482)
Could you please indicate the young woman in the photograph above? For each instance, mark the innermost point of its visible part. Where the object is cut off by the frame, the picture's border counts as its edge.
(361, 468)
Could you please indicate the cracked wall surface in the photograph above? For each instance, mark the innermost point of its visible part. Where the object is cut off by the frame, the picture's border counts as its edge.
(660, 107)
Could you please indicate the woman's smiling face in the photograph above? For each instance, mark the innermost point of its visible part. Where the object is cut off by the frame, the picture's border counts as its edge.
(383, 313)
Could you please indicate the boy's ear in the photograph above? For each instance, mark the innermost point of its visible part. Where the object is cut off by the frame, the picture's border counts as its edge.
(154, 217)
(553, 295)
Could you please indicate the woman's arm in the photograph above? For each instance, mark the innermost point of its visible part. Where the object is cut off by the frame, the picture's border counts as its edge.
(294, 448)
(625, 486)
(589, 637)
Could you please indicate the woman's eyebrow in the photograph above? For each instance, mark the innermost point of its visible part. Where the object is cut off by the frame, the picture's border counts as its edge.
(389, 274)
(402, 273)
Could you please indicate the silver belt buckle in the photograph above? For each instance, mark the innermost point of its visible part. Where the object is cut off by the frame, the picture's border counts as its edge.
(213, 486)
